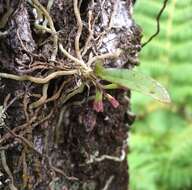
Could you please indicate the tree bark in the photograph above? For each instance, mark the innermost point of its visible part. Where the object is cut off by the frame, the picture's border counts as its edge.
(51, 137)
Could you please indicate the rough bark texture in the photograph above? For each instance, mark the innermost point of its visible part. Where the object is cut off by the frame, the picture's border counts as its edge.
(63, 144)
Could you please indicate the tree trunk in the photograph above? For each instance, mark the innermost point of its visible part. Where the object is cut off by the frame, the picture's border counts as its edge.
(51, 136)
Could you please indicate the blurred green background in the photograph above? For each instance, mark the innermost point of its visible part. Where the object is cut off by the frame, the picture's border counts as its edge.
(161, 139)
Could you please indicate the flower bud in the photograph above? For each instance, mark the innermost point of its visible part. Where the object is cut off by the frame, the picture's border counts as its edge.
(112, 100)
(98, 102)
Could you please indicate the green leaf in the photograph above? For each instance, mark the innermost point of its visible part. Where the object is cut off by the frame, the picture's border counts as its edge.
(134, 80)
(111, 86)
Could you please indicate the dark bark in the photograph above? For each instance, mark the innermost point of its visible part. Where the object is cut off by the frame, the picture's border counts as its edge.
(60, 144)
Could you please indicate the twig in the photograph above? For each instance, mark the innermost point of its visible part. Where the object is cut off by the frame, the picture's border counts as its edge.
(8, 171)
(58, 93)
(44, 28)
(110, 55)
(21, 127)
(51, 24)
(61, 117)
(36, 79)
(37, 123)
(80, 28)
(158, 23)
(108, 182)
(25, 168)
(77, 61)
(43, 97)
(45, 12)
(43, 65)
(5, 102)
(3, 34)
(34, 68)
(58, 125)
(25, 103)
(87, 43)
(49, 5)
(72, 92)
(69, 55)
(23, 139)
(57, 170)
(108, 157)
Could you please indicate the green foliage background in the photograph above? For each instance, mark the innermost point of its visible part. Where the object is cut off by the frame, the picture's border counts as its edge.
(161, 139)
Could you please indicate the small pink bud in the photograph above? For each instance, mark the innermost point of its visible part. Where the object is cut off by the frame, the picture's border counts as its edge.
(98, 102)
(98, 106)
(112, 100)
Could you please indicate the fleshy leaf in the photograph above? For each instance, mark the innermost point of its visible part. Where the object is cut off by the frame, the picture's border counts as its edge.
(134, 80)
